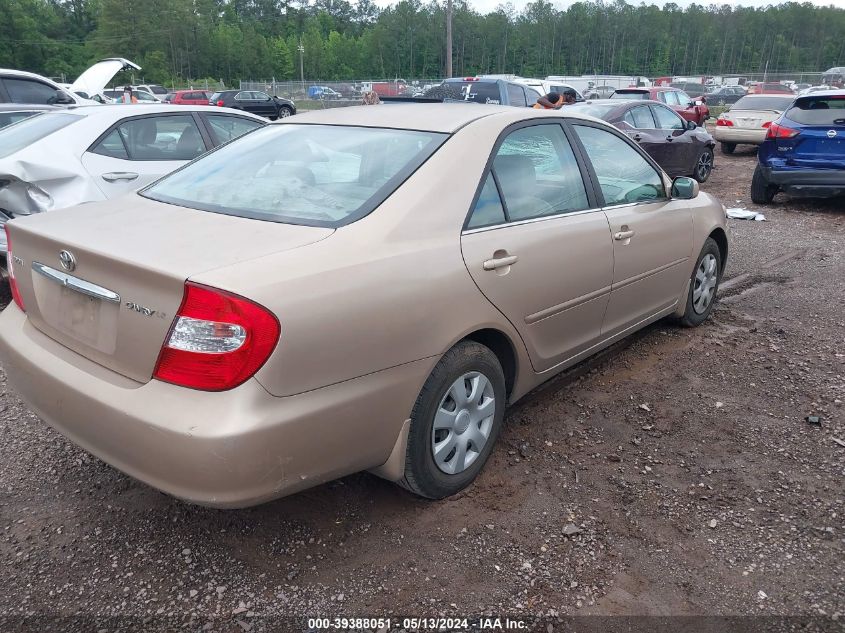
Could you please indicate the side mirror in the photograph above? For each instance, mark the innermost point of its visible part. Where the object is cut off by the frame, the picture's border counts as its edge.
(684, 188)
(691, 125)
(61, 98)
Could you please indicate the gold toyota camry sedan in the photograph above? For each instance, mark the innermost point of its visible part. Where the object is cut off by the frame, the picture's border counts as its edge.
(362, 288)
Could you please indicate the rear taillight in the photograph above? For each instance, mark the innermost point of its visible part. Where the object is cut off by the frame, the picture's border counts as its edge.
(767, 124)
(779, 131)
(220, 102)
(724, 123)
(218, 340)
(13, 284)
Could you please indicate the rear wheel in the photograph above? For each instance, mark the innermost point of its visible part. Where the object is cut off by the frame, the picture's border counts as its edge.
(703, 285)
(761, 191)
(455, 421)
(704, 165)
(728, 148)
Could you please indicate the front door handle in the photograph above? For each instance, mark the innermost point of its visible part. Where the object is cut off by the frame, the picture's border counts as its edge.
(500, 262)
(623, 235)
(638, 138)
(669, 138)
(115, 176)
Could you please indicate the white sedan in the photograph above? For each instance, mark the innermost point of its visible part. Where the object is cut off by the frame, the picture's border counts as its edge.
(66, 157)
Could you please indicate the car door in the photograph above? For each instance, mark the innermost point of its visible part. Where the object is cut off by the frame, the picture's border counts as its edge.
(223, 128)
(265, 104)
(652, 235)
(537, 245)
(246, 101)
(642, 129)
(138, 150)
(679, 146)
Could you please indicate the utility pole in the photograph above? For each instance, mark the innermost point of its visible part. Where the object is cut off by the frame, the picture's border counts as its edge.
(301, 50)
(448, 38)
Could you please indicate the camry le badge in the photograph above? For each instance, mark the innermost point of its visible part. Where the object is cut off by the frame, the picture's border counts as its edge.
(67, 260)
(831, 133)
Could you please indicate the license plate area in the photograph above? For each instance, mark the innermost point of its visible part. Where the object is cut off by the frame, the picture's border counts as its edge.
(83, 311)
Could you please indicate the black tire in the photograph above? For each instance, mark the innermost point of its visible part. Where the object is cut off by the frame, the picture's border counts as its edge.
(727, 148)
(704, 165)
(761, 191)
(422, 475)
(692, 317)
(284, 112)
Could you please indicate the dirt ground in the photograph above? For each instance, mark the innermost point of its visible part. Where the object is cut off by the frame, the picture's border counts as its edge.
(681, 458)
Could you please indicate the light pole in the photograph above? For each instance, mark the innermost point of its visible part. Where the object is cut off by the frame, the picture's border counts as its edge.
(448, 38)
(301, 50)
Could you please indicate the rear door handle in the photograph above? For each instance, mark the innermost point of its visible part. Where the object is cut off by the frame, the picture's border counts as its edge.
(637, 137)
(501, 262)
(116, 176)
(623, 235)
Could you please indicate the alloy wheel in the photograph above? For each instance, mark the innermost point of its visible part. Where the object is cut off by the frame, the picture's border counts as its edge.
(704, 166)
(463, 422)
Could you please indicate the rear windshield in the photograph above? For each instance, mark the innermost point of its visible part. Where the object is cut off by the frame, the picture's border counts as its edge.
(325, 175)
(23, 133)
(818, 111)
(762, 103)
(478, 91)
(598, 110)
(622, 94)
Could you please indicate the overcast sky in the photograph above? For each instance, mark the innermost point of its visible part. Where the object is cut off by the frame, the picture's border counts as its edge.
(485, 6)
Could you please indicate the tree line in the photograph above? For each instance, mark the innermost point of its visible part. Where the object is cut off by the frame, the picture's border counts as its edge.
(179, 41)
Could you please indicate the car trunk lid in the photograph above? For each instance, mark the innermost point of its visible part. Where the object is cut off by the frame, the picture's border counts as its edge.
(751, 119)
(106, 279)
(94, 80)
(820, 141)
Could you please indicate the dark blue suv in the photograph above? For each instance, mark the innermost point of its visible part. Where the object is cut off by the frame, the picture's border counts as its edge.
(804, 150)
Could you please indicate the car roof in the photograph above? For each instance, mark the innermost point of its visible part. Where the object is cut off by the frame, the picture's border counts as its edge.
(426, 117)
(10, 72)
(29, 107)
(117, 111)
(825, 93)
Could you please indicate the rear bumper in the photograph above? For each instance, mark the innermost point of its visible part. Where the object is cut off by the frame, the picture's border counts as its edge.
(230, 449)
(807, 182)
(739, 135)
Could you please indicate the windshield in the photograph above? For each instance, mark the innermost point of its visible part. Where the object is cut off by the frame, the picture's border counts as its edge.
(778, 104)
(818, 111)
(622, 94)
(318, 175)
(20, 135)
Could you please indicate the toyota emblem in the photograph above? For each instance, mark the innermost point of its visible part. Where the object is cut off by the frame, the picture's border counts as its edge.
(67, 260)
(831, 133)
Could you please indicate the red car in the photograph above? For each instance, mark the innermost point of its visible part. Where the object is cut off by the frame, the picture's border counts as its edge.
(190, 97)
(678, 100)
(770, 88)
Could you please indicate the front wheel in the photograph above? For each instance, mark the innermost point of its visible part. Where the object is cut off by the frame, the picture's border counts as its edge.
(704, 283)
(455, 421)
(284, 112)
(728, 148)
(761, 191)
(704, 165)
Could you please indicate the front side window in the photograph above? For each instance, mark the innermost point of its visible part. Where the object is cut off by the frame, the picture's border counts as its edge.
(225, 128)
(671, 98)
(29, 91)
(261, 96)
(173, 137)
(624, 175)
(326, 175)
(538, 174)
(667, 119)
(683, 98)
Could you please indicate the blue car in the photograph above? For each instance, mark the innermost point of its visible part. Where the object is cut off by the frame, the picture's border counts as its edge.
(804, 150)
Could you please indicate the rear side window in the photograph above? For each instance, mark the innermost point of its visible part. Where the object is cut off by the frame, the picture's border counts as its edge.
(778, 104)
(640, 118)
(154, 138)
(538, 174)
(670, 98)
(624, 175)
(29, 91)
(488, 210)
(818, 111)
(516, 96)
(327, 175)
(225, 128)
(7, 118)
(16, 137)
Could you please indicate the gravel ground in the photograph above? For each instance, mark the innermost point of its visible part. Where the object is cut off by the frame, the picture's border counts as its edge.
(674, 475)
